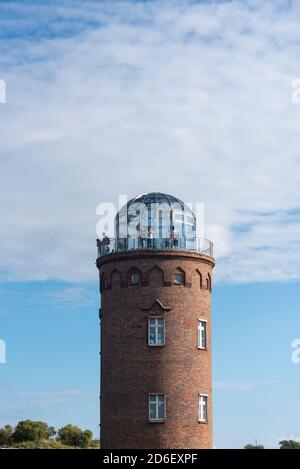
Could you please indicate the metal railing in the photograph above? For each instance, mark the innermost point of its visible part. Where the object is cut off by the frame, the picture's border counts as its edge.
(110, 245)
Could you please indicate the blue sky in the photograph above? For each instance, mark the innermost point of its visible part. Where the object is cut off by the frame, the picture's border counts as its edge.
(51, 331)
(190, 98)
(256, 383)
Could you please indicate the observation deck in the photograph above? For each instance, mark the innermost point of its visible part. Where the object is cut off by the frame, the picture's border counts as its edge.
(154, 221)
(115, 245)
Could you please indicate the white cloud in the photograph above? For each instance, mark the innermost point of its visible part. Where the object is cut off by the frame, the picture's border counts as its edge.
(124, 97)
(71, 297)
(49, 398)
(58, 393)
(291, 436)
(242, 385)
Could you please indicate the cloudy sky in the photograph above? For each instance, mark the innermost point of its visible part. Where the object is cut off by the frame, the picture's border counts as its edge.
(125, 97)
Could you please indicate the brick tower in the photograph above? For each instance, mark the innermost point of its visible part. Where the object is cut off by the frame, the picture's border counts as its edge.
(155, 283)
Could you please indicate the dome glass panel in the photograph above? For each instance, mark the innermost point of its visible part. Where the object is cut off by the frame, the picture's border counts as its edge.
(156, 220)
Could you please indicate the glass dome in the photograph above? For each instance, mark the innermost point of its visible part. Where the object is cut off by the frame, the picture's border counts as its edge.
(156, 220)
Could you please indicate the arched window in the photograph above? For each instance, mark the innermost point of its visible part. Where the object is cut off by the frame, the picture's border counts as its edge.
(103, 282)
(208, 282)
(156, 276)
(134, 276)
(115, 278)
(179, 277)
(135, 279)
(199, 278)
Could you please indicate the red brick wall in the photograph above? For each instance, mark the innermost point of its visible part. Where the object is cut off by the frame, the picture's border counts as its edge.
(130, 369)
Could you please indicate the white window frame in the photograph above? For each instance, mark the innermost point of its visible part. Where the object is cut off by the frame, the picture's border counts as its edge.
(156, 331)
(200, 320)
(200, 413)
(156, 419)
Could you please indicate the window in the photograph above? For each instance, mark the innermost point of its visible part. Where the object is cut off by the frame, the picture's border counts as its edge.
(202, 408)
(190, 220)
(135, 279)
(178, 278)
(178, 216)
(156, 331)
(157, 407)
(183, 217)
(200, 279)
(208, 282)
(202, 334)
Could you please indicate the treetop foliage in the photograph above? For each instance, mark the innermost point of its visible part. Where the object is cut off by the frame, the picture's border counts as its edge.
(289, 444)
(32, 434)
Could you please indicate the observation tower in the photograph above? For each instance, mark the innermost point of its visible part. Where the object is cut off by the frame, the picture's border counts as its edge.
(155, 283)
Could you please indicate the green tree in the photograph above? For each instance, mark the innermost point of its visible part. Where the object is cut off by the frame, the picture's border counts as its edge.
(95, 443)
(72, 435)
(6, 435)
(29, 430)
(249, 446)
(289, 444)
(86, 438)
